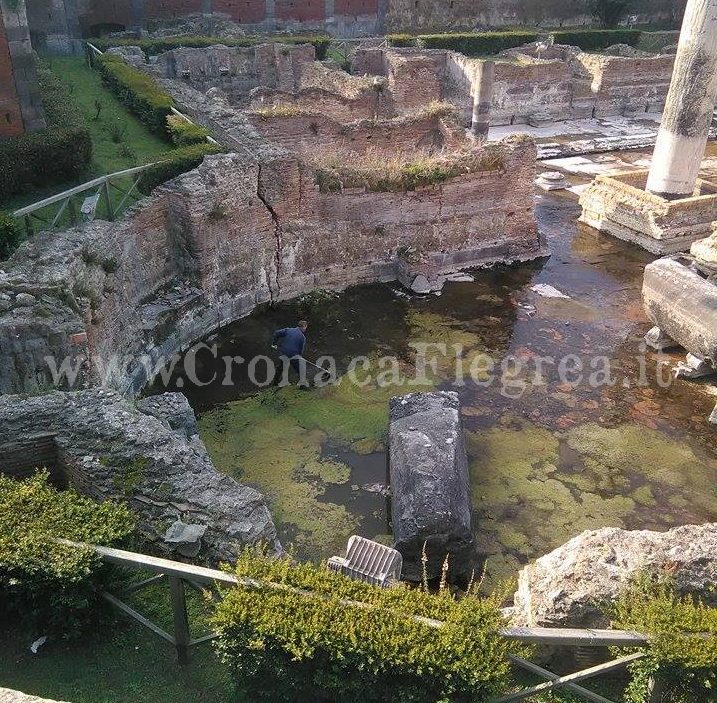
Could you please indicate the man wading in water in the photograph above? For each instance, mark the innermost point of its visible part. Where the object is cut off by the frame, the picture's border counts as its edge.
(291, 342)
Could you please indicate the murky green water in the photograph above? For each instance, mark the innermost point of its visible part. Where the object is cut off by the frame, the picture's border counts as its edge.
(557, 460)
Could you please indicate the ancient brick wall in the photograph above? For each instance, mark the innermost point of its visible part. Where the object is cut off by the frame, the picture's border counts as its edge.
(237, 70)
(54, 26)
(242, 11)
(210, 246)
(171, 8)
(11, 124)
(20, 100)
(628, 84)
(98, 15)
(308, 133)
(300, 10)
(415, 78)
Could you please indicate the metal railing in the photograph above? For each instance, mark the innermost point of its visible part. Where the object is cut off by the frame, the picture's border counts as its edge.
(70, 212)
(179, 575)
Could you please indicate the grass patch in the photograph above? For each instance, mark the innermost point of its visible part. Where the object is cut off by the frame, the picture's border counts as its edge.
(380, 173)
(119, 139)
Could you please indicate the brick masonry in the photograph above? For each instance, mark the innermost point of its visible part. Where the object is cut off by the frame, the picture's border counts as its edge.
(20, 102)
(184, 271)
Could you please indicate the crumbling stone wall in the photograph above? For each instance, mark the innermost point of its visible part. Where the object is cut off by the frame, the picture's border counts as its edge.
(628, 84)
(305, 133)
(239, 231)
(415, 78)
(109, 448)
(237, 70)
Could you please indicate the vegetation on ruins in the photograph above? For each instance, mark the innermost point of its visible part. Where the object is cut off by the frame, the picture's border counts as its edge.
(597, 39)
(44, 584)
(686, 664)
(59, 153)
(469, 43)
(152, 47)
(380, 173)
(304, 642)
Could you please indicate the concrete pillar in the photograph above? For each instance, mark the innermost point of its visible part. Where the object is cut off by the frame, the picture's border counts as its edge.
(483, 98)
(690, 103)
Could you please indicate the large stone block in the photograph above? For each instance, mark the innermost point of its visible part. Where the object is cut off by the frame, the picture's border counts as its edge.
(681, 301)
(430, 496)
(571, 586)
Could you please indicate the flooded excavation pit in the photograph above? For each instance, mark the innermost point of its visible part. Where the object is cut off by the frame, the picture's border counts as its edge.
(551, 451)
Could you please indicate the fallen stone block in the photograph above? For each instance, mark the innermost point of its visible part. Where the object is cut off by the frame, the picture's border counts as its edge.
(430, 495)
(569, 586)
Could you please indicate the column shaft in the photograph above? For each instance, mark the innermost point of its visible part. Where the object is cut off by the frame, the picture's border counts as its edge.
(482, 98)
(690, 103)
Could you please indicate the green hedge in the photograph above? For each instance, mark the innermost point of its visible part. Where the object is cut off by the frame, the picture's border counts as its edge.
(10, 235)
(598, 39)
(283, 646)
(178, 162)
(687, 665)
(138, 91)
(469, 43)
(44, 585)
(489, 43)
(57, 154)
(152, 47)
(183, 133)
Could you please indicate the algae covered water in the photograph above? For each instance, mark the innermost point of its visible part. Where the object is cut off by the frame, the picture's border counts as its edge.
(548, 457)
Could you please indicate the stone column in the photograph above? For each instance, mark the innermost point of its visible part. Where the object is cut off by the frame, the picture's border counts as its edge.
(690, 103)
(483, 98)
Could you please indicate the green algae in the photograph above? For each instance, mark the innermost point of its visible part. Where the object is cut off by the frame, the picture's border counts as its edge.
(273, 441)
(667, 464)
(524, 505)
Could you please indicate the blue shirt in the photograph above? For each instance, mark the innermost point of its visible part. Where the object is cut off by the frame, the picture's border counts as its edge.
(293, 341)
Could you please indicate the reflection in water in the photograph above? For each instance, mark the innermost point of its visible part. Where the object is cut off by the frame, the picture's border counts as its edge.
(548, 459)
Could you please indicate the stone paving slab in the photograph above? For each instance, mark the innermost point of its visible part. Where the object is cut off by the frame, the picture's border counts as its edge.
(9, 696)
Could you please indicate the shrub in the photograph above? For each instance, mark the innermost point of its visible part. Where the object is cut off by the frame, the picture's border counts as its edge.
(470, 43)
(401, 40)
(185, 133)
(688, 665)
(10, 236)
(597, 39)
(287, 646)
(46, 585)
(179, 161)
(138, 91)
(152, 47)
(57, 154)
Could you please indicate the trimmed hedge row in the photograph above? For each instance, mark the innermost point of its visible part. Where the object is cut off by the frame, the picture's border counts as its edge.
(152, 47)
(138, 91)
(62, 152)
(488, 43)
(183, 133)
(287, 647)
(178, 162)
(598, 39)
(469, 43)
